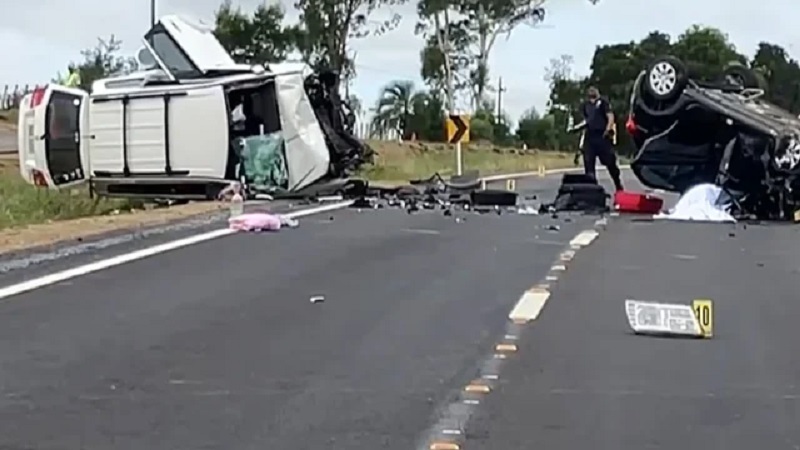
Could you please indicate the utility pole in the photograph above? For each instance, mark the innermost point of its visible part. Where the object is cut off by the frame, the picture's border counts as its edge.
(152, 12)
(500, 90)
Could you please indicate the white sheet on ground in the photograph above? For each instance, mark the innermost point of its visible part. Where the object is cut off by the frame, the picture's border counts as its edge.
(701, 202)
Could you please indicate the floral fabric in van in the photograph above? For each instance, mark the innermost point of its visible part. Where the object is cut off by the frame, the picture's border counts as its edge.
(264, 162)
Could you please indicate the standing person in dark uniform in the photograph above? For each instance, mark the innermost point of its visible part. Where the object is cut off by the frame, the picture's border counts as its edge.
(598, 126)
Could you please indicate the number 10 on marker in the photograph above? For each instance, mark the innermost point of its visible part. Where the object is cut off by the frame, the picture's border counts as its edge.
(704, 311)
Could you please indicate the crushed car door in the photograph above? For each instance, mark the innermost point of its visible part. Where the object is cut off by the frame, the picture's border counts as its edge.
(58, 117)
(187, 50)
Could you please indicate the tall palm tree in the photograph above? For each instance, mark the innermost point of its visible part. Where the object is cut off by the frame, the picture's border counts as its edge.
(393, 107)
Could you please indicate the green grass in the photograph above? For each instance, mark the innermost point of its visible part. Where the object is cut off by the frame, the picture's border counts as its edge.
(406, 161)
(9, 116)
(22, 204)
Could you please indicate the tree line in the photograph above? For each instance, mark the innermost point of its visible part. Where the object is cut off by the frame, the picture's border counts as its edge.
(466, 30)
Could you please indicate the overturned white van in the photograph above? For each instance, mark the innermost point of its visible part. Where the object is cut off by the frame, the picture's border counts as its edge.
(171, 131)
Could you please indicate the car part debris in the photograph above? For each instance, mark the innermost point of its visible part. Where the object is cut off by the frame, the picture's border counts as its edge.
(364, 203)
(637, 202)
(662, 319)
(493, 197)
(578, 193)
(688, 132)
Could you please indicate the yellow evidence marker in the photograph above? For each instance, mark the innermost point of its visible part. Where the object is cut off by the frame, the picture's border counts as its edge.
(704, 311)
(511, 184)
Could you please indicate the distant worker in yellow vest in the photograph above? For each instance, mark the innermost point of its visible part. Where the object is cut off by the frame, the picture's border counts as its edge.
(74, 78)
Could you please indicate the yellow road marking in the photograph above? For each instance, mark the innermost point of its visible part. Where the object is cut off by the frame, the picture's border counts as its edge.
(482, 388)
(444, 446)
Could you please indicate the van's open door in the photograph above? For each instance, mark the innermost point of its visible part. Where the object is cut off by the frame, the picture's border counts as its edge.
(188, 50)
(53, 121)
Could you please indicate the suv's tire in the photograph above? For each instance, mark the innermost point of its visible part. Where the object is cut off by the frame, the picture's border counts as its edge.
(742, 76)
(665, 79)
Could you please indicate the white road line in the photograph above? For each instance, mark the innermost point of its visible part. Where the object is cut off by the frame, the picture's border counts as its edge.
(584, 238)
(529, 305)
(421, 231)
(96, 266)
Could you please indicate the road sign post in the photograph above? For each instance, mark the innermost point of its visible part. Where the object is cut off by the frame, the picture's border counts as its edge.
(458, 133)
(459, 159)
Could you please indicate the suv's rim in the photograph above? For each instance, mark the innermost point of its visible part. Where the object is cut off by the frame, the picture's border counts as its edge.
(663, 78)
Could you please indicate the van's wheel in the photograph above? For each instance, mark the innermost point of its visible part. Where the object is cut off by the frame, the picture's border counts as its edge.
(742, 76)
(665, 79)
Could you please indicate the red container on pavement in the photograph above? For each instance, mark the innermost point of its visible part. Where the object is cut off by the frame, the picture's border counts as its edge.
(637, 202)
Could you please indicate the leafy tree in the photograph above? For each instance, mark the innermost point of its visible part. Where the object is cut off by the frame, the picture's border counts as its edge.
(538, 132)
(437, 25)
(490, 125)
(427, 118)
(432, 67)
(468, 30)
(781, 75)
(327, 26)
(402, 108)
(258, 38)
(394, 107)
(99, 62)
(486, 20)
(706, 51)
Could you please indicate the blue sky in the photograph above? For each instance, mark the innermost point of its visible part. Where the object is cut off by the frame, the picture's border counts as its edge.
(38, 42)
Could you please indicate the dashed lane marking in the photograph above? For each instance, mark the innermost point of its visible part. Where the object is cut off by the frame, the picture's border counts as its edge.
(507, 348)
(477, 388)
(444, 446)
(527, 309)
(584, 238)
(529, 306)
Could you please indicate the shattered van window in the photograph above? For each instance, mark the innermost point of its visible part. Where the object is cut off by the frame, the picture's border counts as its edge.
(172, 56)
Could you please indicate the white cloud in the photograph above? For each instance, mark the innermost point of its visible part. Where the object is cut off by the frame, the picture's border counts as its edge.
(38, 42)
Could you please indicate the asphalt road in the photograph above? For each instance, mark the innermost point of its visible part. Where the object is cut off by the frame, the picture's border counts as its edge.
(218, 346)
(580, 379)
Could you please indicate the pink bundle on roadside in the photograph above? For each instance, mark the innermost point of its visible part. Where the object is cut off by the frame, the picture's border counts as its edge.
(260, 222)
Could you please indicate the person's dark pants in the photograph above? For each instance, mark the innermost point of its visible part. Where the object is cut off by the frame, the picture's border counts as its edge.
(597, 146)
